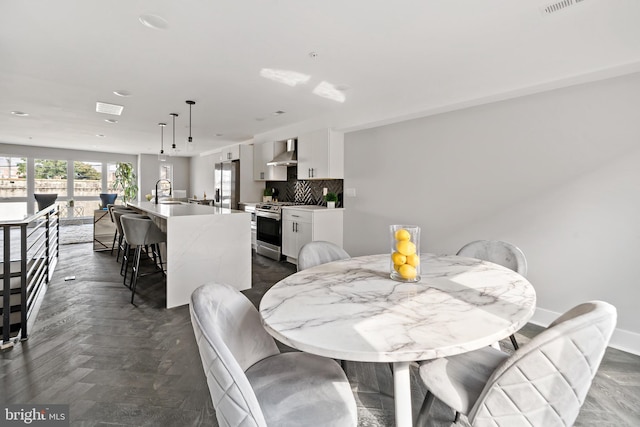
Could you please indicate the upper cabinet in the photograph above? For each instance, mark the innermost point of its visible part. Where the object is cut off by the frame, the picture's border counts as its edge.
(263, 153)
(321, 155)
(232, 152)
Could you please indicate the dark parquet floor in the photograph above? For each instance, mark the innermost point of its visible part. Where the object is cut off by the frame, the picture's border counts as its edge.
(117, 364)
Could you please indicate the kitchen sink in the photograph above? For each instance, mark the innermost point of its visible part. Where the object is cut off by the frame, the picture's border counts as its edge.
(170, 202)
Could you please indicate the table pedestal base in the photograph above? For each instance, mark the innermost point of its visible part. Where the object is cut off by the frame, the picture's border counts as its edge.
(402, 394)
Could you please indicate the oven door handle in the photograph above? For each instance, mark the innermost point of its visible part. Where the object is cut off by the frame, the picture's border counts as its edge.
(270, 215)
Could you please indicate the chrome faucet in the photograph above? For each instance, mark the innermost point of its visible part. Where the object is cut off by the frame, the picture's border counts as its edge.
(159, 181)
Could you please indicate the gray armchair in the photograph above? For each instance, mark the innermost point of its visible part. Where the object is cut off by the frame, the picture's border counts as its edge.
(319, 252)
(250, 381)
(498, 252)
(544, 383)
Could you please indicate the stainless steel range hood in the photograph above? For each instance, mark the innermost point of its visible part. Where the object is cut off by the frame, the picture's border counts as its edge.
(288, 158)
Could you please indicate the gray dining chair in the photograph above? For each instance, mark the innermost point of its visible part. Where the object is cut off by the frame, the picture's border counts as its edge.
(319, 252)
(251, 383)
(543, 384)
(498, 252)
(45, 200)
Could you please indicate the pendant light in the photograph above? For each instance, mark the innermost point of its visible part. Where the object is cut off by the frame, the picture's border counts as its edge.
(162, 157)
(174, 150)
(190, 144)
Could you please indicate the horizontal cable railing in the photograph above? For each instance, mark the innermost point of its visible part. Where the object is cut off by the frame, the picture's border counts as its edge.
(30, 252)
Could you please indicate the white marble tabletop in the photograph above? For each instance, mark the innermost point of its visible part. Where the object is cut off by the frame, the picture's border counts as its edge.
(352, 310)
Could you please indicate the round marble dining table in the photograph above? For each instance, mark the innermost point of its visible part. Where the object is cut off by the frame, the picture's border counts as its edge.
(353, 310)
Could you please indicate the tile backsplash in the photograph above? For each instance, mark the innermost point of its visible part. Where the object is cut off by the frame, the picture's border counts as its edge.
(308, 192)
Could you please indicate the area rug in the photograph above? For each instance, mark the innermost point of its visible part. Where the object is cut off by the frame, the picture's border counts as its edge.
(76, 233)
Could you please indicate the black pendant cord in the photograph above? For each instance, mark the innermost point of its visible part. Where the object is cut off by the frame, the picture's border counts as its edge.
(191, 103)
(174, 115)
(162, 125)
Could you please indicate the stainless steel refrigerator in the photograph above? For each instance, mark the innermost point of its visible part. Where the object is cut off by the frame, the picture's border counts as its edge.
(227, 184)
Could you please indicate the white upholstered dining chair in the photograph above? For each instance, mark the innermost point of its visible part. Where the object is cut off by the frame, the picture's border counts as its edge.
(251, 383)
(319, 252)
(497, 252)
(544, 383)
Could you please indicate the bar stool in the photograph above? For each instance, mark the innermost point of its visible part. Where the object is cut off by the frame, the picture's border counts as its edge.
(123, 245)
(139, 232)
(117, 235)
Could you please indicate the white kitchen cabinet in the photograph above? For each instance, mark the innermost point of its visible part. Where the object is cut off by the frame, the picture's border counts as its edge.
(263, 153)
(304, 224)
(231, 152)
(321, 155)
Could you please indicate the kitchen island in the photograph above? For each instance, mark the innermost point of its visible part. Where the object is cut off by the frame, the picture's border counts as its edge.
(204, 244)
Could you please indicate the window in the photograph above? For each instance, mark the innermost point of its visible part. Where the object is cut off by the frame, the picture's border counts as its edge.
(87, 179)
(111, 179)
(166, 171)
(51, 176)
(13, 177)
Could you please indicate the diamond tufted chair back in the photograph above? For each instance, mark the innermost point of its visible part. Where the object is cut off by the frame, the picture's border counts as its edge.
(545, 382)
(230, 338)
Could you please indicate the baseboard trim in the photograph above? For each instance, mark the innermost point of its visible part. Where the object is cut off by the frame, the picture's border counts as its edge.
(622, 339)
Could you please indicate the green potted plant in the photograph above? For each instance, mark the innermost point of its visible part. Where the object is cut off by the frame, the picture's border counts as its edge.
(267, 196)
(125, 181)
(331, 199)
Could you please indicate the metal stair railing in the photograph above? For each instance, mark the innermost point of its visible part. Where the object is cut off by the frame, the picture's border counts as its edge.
(30, 253)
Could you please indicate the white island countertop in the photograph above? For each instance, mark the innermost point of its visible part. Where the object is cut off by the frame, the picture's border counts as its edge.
(174, 209)
(204, 244)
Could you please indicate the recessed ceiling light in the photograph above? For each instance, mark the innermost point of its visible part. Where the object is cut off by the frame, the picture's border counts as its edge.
(153, 21)
(103, 107)
(19, 113)
(99, 135)
(277, 113)
(122, 93)
(342, 87)
(110, 120)
(260, 119)
(313, 55)
(219, 134)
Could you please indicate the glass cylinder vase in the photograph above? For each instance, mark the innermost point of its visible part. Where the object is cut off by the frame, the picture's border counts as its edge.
(405, 253)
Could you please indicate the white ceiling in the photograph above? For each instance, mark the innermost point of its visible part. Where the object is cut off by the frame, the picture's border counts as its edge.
(397, 59)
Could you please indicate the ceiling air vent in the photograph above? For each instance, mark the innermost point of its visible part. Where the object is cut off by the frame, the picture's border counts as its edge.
(558, 6)
(103, 107)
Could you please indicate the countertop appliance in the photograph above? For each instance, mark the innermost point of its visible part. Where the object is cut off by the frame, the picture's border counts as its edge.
(269, 228)
(227, 184)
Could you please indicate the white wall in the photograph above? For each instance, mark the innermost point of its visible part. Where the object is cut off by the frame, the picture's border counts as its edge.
(149, 168)
(202, 175)
(557, 174)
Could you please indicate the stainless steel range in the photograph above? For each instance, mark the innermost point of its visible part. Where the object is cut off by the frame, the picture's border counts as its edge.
(269, 228)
